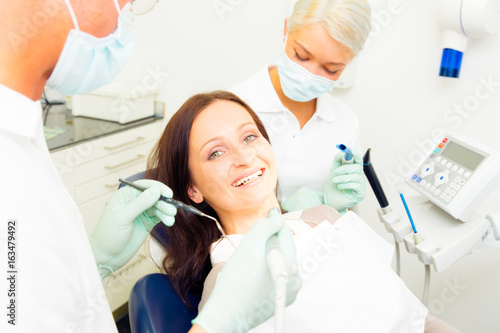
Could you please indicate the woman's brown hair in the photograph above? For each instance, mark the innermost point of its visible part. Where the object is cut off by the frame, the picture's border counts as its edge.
(188, 241)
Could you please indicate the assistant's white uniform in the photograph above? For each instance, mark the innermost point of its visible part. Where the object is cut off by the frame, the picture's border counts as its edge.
(303, 157)
(58, 288)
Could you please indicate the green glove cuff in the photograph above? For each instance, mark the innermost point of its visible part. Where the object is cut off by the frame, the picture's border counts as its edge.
(302, 199)
(104, 270)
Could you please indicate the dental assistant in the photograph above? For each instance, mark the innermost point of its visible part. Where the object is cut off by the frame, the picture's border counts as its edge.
(58, 288)
(304, 121)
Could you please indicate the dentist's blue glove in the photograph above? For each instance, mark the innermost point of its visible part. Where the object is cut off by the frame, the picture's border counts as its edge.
(243, 296)
(346, 184)
(127, 220)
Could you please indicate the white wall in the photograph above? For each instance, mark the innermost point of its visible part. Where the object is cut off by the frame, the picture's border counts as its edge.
(205, 44)
(401, 100)
(398, 95)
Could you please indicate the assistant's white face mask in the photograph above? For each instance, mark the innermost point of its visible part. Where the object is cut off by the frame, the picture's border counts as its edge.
(298, 83)
(88, 62)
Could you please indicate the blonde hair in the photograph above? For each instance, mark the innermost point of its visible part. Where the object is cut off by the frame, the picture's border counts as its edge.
(346, 21)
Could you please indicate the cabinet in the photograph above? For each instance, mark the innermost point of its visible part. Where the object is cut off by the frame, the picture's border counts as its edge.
(90, 170)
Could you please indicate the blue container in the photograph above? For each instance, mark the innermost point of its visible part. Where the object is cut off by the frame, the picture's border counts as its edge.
(451, 61)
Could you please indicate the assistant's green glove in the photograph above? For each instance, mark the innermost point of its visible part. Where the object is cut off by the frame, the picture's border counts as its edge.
(346, 184)
(243, 296)
(302, 199)
(127, 220)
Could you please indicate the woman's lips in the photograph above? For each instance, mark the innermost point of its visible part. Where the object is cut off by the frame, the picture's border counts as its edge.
(250, 178)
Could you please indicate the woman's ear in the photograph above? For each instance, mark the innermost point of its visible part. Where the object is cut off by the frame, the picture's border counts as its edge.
(194, 194)
(285, 32)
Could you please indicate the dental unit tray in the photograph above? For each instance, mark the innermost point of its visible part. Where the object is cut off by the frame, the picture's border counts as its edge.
(445, 239)
(457, 175)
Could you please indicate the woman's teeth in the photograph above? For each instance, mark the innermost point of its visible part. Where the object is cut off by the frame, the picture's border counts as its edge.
(245, 180)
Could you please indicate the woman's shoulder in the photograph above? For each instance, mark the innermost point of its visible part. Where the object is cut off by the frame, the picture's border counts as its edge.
(302, 221)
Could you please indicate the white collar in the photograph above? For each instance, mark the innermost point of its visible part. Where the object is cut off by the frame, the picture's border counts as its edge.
(269, 101)
(19, 114)
(222, 249)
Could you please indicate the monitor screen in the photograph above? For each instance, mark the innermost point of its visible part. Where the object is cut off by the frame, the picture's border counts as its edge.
(461, 155)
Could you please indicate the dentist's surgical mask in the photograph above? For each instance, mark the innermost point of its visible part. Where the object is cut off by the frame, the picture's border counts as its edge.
(88, 62)
(298, 83)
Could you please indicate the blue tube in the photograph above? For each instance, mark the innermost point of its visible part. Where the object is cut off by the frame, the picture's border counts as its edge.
(451, 62)
(346, 150)
(408, 212)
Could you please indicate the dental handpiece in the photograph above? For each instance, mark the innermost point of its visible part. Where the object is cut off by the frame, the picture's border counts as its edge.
(277, 267)
(347, 158)
(372, 177)
(176, 203)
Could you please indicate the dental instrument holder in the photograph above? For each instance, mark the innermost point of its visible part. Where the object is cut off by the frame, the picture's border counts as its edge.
(445, 239)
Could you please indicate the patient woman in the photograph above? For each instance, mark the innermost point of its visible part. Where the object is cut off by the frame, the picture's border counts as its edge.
(215, 154)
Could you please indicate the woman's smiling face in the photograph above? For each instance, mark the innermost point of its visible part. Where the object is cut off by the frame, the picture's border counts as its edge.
(231, 164)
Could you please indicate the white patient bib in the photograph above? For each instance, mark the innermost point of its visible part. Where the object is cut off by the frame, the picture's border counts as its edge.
(348, 284)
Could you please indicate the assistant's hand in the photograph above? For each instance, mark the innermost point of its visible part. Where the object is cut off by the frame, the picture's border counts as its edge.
(302, 199)
(127, 220)
(244, 294)
(346, 184)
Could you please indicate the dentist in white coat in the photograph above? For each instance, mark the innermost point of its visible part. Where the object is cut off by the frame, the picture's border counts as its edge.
(56, 280)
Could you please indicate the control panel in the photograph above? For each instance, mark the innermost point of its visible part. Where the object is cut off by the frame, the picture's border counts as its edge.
(457, 175)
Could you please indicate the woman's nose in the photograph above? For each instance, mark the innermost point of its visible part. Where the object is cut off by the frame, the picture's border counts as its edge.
(243, 156)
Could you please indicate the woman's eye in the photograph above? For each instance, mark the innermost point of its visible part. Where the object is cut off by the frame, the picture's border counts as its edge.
(331, 72)
(299, 57)
(214, 155)
(250, 138)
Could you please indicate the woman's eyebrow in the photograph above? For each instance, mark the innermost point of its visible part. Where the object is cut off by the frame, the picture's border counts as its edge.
(309, 54)
(220, 137)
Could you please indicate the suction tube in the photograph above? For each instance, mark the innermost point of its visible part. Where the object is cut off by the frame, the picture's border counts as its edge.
(373, 180)
(347, 158)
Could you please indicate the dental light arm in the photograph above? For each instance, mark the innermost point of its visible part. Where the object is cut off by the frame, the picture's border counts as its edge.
(460, 20)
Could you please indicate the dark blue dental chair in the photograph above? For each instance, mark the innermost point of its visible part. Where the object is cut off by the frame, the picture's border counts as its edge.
(153, 305)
